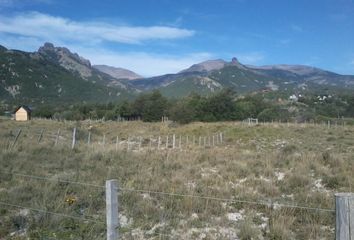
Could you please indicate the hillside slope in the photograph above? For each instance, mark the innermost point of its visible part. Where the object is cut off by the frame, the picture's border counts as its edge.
(210, 76)
(54, 75)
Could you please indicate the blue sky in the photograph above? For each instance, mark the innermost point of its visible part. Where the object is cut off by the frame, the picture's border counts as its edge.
(154, 37)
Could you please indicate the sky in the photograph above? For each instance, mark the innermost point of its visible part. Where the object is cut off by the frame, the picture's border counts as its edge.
(154, 37)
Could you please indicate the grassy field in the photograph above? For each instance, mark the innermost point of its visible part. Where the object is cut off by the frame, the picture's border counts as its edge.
(251, 186)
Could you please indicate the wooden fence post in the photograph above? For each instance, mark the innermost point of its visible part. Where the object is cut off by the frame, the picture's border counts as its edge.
(74, 139)
(167, 142)
(57, 138)
(16, 138)
(174, 141)
(112, 209)
(344, 216)
(40, 136)
(158, 143)
(89, 138)
(128, 144)
(117, 141)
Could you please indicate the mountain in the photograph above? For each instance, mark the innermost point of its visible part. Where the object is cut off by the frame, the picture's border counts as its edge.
(55, 75)
(206, 66)
(117, 73)
(213, 75)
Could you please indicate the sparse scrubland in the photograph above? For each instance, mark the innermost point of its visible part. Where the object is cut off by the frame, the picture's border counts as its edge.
(255, 181)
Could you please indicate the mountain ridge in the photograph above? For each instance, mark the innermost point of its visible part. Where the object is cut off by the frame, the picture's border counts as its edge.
(117, 72)
(54, 75)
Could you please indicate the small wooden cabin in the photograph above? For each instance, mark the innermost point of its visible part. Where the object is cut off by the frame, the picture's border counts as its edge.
(23, 113)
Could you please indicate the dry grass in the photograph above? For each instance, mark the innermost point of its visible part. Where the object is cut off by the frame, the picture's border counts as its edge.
(299, 164)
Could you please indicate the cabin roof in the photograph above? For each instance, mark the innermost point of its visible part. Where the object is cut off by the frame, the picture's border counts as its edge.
(28, 110)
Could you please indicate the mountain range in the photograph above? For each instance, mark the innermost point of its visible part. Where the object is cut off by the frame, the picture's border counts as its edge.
(55, 75)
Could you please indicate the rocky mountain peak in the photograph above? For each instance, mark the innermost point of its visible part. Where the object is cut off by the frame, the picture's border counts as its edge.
(47, 46)
(67, 59)
(2, 48)
(234, 60)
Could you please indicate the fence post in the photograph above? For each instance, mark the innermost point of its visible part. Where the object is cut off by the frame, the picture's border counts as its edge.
(112, 209)
(173, 141)
(40, 136)
(16, 138)
(74, 139)
(344, 216)
(89, 138)
(57, 138)
(117, 141)
(158, 143)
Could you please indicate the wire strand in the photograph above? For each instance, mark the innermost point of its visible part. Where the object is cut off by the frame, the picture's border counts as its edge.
(52, 213)
(274, 204)
(54, 180)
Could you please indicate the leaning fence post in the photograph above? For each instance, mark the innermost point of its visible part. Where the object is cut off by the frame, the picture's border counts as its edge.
(40, 136)
(112, 209)
(74, 139)
(344, 216)
(16, 138)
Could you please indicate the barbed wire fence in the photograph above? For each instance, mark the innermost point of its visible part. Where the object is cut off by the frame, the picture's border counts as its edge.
(344, 205)
(77, 137)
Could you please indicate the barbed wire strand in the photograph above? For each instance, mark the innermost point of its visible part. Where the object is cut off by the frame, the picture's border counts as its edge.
(264, 203)
(274, 204)
(54, 179)
(52, 213)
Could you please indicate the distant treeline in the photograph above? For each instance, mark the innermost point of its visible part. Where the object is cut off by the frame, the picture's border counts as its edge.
(222, 106)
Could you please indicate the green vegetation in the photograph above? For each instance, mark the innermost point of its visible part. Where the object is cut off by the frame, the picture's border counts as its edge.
(298, 164)
(34, 80)
(222, 106)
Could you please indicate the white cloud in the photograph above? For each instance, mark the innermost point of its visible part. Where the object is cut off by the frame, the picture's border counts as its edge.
(143, 63)
(57, 29)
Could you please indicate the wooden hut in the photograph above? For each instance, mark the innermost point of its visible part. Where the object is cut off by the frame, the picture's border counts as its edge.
(23, 113)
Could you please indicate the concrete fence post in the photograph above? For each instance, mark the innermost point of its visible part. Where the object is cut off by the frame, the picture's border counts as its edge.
(167, 142)
(112, 209)
(344, 216)
(158, 143)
